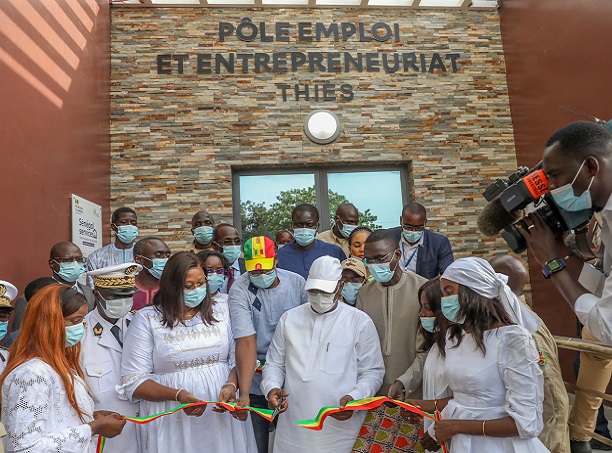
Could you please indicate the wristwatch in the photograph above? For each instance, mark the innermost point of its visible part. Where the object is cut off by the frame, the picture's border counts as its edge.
(552, 266)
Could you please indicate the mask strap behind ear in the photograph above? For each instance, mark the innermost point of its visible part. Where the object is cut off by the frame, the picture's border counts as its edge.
(593, 178)
(578, 172)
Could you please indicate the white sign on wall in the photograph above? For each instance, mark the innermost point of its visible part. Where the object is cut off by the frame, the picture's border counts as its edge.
(86, 224)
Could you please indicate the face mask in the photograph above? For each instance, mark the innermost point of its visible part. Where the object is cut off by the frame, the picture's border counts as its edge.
(70, 272)
(450, 308)
(428, 323)
(321, 302)
(231, 253)
(304, 236)
(127, 233)
(158, 267)
(74, 334)
(382, 272)
(349, 292)
(215, 281)
(346, 230)
(194, 297)
(574, 210)
(3, 329)
(412, 237)
(263, 281)
(203, 234)
(117, 308)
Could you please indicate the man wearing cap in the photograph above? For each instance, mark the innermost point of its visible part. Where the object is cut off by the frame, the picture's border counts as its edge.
(202, 226)
(102, 346)
(323, 353)
(8, 292)
(354, 276)
(124, 224)
(257, 301)
(152, 253)
(345, 221)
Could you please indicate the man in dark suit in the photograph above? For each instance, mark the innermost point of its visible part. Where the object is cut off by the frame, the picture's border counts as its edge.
(424, 252)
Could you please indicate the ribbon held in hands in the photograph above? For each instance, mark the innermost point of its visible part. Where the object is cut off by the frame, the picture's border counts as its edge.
(365, 404)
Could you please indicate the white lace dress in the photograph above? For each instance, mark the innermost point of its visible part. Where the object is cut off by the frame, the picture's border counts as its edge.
(37, 415)
(195, 357)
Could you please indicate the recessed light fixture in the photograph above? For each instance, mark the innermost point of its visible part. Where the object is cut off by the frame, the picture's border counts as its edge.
(322, 127)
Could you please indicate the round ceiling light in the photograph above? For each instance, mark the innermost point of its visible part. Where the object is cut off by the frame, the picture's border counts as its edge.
(322, 127)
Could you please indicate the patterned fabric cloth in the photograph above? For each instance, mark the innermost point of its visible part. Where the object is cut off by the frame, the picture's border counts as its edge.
(385, 431)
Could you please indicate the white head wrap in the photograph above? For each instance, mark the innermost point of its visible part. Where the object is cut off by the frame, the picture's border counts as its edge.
(478, 275)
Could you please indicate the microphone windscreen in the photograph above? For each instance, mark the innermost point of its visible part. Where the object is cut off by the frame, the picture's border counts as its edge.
(494, 218)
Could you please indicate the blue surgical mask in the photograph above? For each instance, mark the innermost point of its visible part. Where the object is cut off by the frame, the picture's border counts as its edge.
(304, 236)
(575, 210)
(231, 253)
(203, 234)
(194, 297)
(215, 281)
(428, 323)
(381, 272)
(263, 281)
(127, 233)
(158, 267)
(74, 334)
(350, 291)
(450, 308)
(346, 229)
(3, 329)
(412, 237)
(70, 272)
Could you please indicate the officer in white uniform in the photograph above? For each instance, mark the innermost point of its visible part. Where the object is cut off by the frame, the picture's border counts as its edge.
(8, 292)
(102, 347)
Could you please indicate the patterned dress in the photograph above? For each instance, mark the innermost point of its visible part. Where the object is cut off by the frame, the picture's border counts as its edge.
(37, 415)
(193, 356)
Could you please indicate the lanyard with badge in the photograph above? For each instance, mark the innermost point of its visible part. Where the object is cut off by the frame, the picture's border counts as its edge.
(411, 256)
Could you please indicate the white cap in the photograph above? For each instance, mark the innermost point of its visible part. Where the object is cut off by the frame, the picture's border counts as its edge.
(324, 275)
(8, 292)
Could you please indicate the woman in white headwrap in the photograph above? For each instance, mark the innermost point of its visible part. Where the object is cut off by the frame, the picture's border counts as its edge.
(491, 365)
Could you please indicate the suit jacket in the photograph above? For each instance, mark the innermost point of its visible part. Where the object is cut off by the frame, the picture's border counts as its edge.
(434, 256)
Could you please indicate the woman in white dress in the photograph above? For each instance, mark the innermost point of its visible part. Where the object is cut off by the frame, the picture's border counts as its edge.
(181, 349)
(46, 406)
(491, 365)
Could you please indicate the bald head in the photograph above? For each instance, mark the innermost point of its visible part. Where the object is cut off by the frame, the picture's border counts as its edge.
(515, 268)
(65, 248)
(347, 210)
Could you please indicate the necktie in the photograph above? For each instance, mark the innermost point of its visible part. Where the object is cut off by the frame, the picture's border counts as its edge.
(230, 281)
(116, 331)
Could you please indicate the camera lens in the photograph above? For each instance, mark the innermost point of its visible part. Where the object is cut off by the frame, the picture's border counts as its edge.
(514, 238)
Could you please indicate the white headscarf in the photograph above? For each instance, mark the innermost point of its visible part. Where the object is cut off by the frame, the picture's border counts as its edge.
(478, 275)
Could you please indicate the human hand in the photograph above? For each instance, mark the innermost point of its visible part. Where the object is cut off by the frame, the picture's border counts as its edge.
(344, 415)
(243, 400)
(444, 429)
(543, 243)
(429, 443)
(227, 394)
(274, 399)
(107, 425)
(396, 392)
(412, 417)
(100, 414)
(185, 397)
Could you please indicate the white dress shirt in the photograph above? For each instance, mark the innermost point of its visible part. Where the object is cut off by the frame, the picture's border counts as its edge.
(408, 260)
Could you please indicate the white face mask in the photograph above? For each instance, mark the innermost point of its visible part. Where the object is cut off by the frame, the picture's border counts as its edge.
(117, 308)
(321, 302)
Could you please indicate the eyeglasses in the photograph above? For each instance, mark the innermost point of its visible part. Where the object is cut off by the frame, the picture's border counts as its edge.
(229, 242)
(218, 271)
(4, 315)
(382, 259)
(409, 227)
(80, 260)
(257, 273)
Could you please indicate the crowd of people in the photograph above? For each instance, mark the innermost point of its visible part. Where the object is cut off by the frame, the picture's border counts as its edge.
(297, 322)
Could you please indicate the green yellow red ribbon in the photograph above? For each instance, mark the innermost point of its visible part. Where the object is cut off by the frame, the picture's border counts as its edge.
(365, 404)
(442, 444)
(232, 407)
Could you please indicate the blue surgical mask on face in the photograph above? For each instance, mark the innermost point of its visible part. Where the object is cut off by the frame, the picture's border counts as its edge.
(428, 323)
(412, 237)
(263, 281)
(158, 267)
(215, 281)
(203, 234)
(127, 233)
(74, 334)
(350, 291)
(346, 229)
(3, 329)
(194, 297)
(575, 210)
(70, 272)
(231, 253)
(450, 308)
(304, 236)
(381, 272)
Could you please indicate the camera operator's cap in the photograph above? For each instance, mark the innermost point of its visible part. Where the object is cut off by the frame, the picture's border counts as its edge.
(259, 254)
(356, 266)
(116, 278)
(8, 292)
(324, 275)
